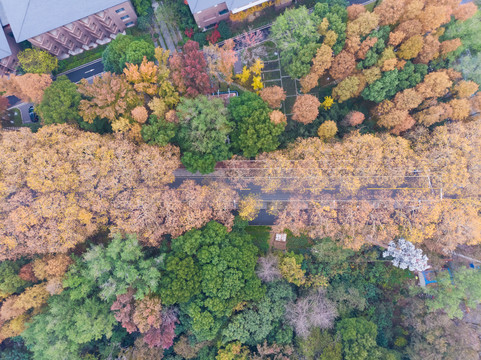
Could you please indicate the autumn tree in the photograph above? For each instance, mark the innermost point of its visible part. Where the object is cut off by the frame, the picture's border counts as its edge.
(306, 109)
(342, 65)
(189, 71)
(273, 96)
(363, 24)
(408, 99)
(249, 207)
(448, 46)
(411, 47)
(465, 11)
(461, 109)
(69, 184)
(430, 49)
(28, 87)
(348, 88)
(109, 96)
(465, 89)
(354, 10)
(389, 11)
(277, 117)
(353, 118)
(37, 61)
(435, 84)
(327, 130)
(221, 60)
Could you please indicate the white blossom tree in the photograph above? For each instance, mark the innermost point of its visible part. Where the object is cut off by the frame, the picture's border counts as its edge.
(406, 256)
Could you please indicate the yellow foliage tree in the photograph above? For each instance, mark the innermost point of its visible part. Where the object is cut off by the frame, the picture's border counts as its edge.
(327, 130)
(244, 75)
(327, 103)
(257, 83)
(249, 207)
(257, 67)
(291, 270)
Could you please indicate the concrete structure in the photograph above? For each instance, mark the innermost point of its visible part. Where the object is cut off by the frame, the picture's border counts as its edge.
(209, 12)
(65, 27)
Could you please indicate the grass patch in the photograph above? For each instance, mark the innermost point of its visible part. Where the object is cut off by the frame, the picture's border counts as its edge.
(272, 65)
(370, 7)
(73, 61)
(289, 103)
(271, 75)
(289, 86)
(298, 244)
(260, 237)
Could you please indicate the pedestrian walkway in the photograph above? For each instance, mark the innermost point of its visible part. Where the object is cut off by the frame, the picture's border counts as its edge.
(169, 36)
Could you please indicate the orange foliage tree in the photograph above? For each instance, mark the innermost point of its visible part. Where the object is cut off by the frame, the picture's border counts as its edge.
(305, 109)
(273, 96)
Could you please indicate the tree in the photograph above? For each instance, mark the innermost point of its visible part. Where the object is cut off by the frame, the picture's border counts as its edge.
(342, 65)
(60, 102)
(408, 99)
(354, 118)
(277, 117)
(312, 311)
(254, 131)
(261, 320)
(114, 269)
(209, 272)
(354, 10)
(10, 281)
(37, 61)
(430, 49)
(470, 66)
(158, 131)
(306, 109)
(465, 11)
(347, 88)
(363, 25)
(406, 256)
(389, 11)
(327, 130)
(435, 84)
(114, 55)
(221, 60)
(358, 337)
(294, 31)
(249, 207)
(411, 47)
(109, 96)
(465, 89)
(448, 46)
(203, 131)
(69, 184)
(189, 71)
(461, 109)
(273, 96)
(28, 87)
(268, 268)
(463, 288)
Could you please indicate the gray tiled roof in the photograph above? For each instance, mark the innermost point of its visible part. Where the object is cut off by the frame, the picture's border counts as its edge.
(199, 5)
(29, 18)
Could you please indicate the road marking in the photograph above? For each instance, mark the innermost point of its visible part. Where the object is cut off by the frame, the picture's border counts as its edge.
(428, 188)
(90, 70)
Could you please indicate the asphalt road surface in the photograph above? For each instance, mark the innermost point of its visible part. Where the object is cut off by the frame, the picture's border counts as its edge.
(91, 69)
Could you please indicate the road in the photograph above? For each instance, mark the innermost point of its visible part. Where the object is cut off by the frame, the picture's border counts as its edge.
(85, 71)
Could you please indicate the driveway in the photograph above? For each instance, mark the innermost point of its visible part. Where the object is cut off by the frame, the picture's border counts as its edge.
(23, 107)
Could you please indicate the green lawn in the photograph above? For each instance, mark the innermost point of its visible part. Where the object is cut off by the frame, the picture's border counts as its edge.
(73, 61)
(260, 235)
(298, 244)
(289, 86)
(271, 75)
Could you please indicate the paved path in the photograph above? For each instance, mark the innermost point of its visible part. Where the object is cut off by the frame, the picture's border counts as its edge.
(85, 71)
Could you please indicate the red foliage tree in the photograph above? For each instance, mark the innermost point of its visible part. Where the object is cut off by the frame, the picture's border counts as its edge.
(163, 336)
(124, 309)
(213, 37)
(189, 32)
(189, 71)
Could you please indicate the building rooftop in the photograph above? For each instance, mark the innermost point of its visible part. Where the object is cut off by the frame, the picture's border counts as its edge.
(200, 5)
(4, 47)
(29, 18)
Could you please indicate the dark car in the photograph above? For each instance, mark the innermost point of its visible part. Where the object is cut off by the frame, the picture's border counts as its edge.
(33, 115)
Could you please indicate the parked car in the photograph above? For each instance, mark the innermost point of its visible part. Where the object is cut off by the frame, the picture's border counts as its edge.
(33, 115)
